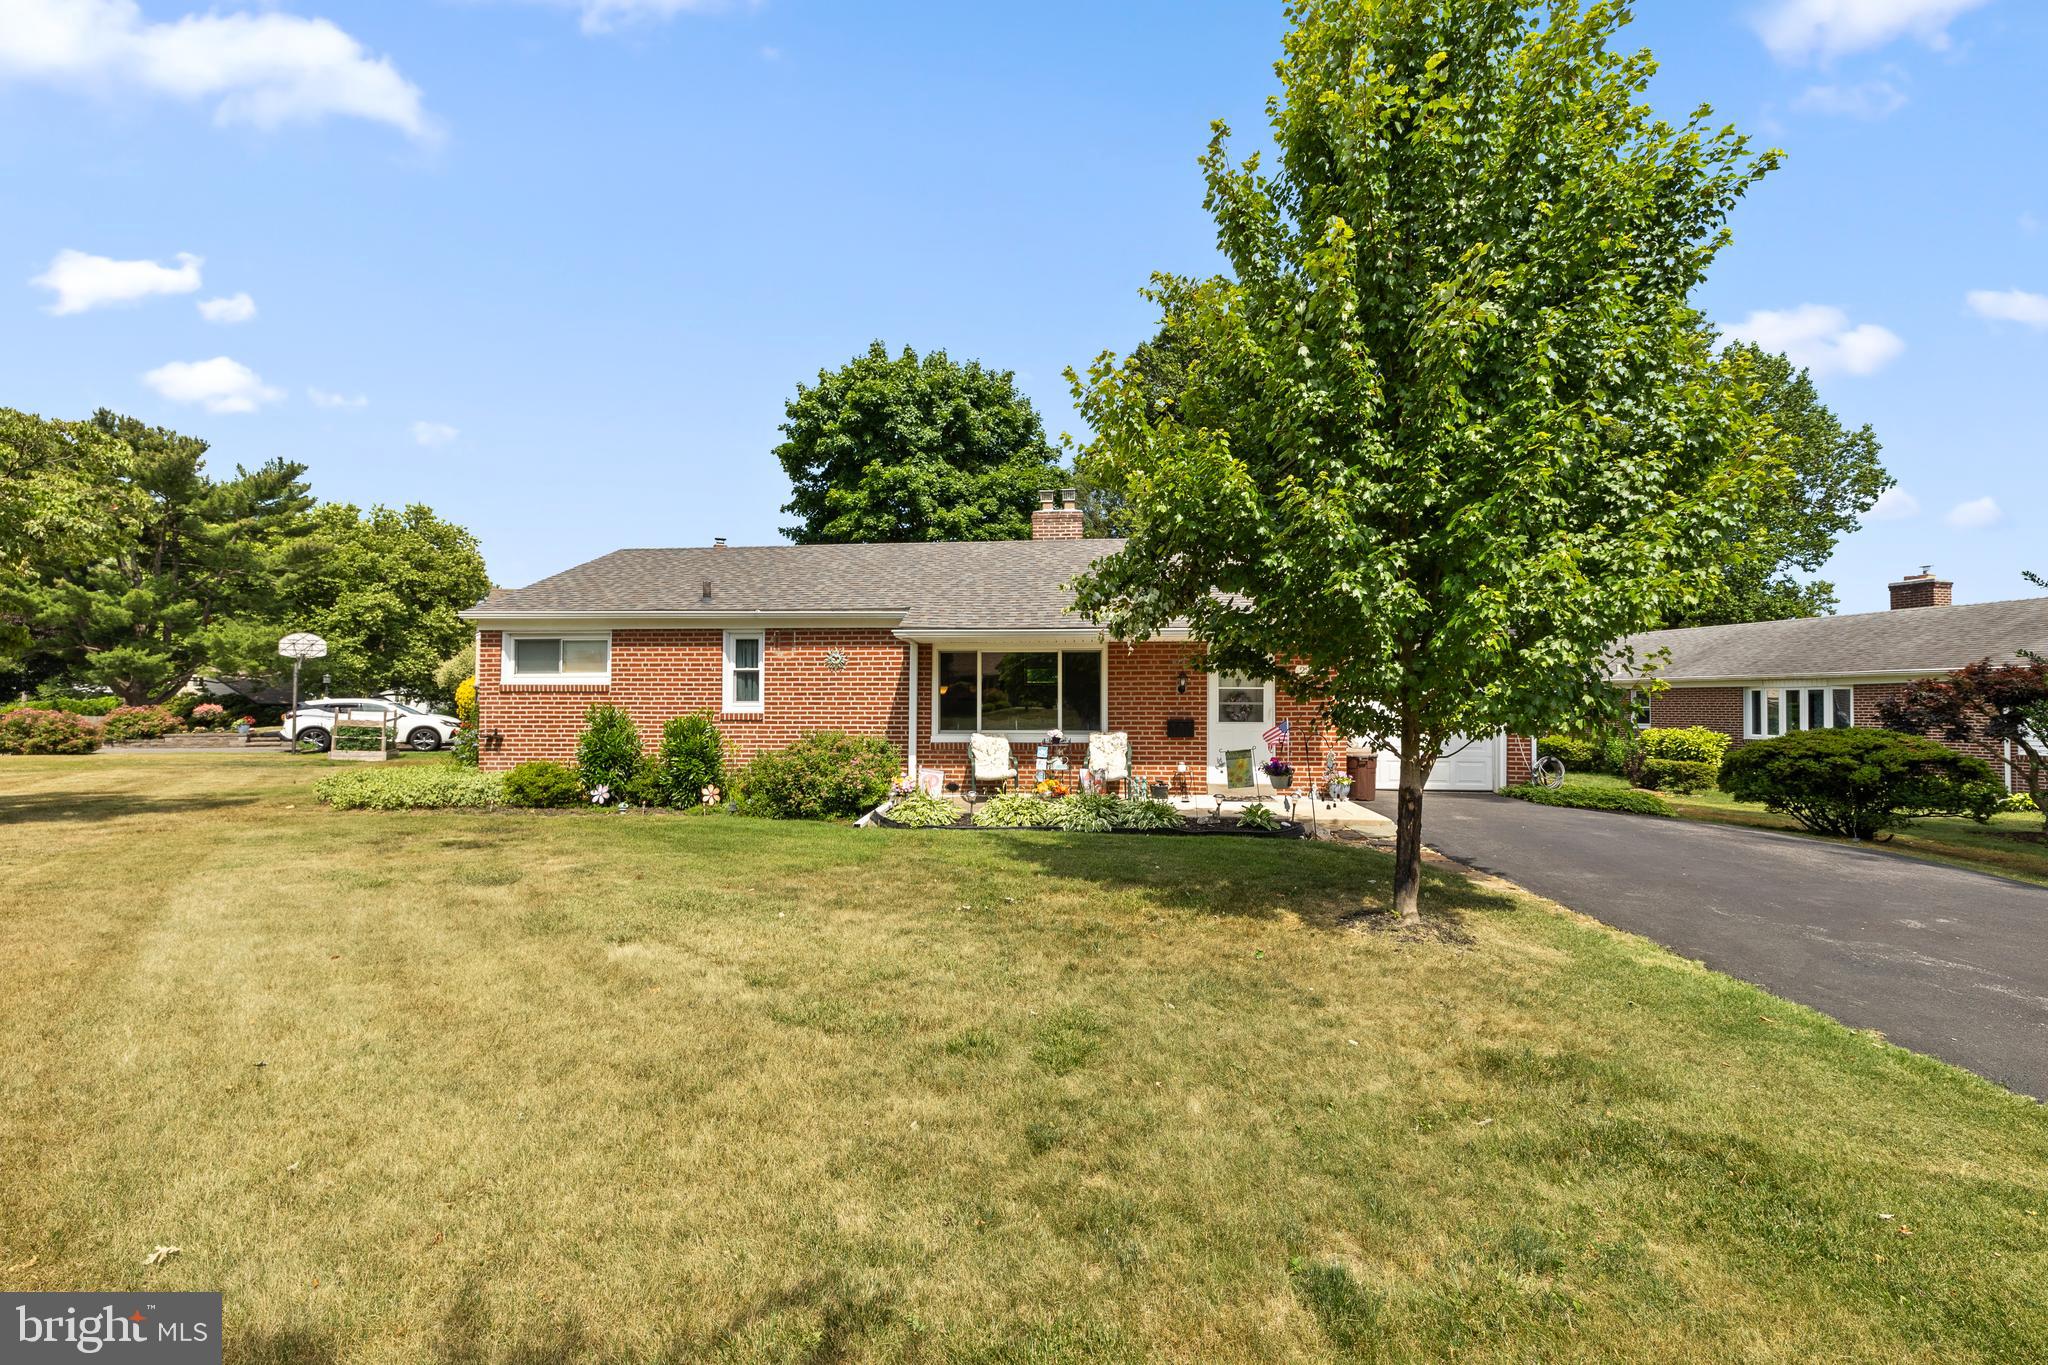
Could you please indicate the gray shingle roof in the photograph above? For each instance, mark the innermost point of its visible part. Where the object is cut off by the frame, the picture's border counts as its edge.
(946, 585)
(1913, 640)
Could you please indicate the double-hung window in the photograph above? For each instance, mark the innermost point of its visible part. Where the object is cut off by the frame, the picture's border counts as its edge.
(558, 658)
(1783, 708)
(744, 668)
(1019, 691)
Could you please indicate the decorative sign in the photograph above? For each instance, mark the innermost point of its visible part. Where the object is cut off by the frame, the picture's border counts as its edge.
(302, 645)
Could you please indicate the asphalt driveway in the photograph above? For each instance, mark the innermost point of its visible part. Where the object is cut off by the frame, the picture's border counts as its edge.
(1940, 960)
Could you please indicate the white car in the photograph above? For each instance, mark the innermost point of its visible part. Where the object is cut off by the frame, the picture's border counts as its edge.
(414, 728)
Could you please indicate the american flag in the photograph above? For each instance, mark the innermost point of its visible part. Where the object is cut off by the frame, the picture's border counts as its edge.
(1276, 735)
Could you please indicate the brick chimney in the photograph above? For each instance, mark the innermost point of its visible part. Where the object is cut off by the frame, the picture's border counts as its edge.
(1059, 520)
(1922, 589)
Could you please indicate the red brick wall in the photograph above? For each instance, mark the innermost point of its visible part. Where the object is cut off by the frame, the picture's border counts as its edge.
(661, 673)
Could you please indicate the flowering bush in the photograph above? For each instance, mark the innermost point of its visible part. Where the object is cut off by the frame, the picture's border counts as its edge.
(139, 722)
(26, 730)
(208, 715)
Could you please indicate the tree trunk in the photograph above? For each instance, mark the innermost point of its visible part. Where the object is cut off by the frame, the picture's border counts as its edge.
(1408, 826)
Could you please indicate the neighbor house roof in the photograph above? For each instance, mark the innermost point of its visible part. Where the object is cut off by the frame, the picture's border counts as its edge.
(1914, 640)
(992, 585)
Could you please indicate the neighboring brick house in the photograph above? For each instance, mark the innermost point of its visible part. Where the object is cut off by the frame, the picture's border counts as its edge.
(1766, 678)
(921, 644)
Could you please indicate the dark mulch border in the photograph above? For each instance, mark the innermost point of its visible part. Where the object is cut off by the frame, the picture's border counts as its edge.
(1207, 825)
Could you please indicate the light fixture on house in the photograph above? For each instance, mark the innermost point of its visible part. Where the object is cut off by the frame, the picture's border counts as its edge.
(1180, 684)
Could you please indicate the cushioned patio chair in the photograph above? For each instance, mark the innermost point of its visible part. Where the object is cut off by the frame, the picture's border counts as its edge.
(990, 764)
(1109, 757)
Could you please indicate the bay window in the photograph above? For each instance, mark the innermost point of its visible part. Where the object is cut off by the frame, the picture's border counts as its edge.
(1019, 691)
(1785, 707)
(557, 658)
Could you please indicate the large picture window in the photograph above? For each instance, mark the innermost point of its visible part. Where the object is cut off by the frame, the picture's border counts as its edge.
(1022, 691)
(1786, 707)
(558, 658)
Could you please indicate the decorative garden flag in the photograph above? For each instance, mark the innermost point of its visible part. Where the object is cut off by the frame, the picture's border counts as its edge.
(1276, 735)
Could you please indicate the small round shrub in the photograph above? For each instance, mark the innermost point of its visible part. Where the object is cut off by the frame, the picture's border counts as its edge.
(922, 810)
(1134, 813)
(27, 730)
(1258, 817)
(208, 715)
(543, 784)
(2019, 803)
(822, 775)
(139, 722)
(1858, 782)
(691, 758)
(1014, 810)
(608, 751)
(1576, 754)
(1086, 814)
(1679, 775)
(1691, 744)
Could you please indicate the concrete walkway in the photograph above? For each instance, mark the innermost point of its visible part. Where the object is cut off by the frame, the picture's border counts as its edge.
(1941, 960)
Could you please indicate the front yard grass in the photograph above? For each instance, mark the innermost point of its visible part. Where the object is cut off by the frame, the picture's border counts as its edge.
(588, 1087)
(2008, 845)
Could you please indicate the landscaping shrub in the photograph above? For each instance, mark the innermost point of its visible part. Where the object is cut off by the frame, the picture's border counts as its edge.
(1692, 744)
(26, 730)
(1089, 814)
(209, 715)
(1258, 817)
(543, 784)
(1681, 775)
(822, 775)
(1617, 752)
(468, 737)
(691, 758)
(2019, 803)
(1014, 810)
(437, 786)
(1591, 798)
(139, 722)
(922, 810)
(1577, 754)
(1858, 783)
(70, 706)
(1137, 813)
(608, 751)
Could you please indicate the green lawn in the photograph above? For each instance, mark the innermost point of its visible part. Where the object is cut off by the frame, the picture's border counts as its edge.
(2008, 845)
(588, 1087)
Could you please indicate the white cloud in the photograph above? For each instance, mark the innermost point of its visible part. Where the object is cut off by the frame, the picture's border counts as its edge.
(1975, 516)
(218, 385)
(1894, 504)
(603, 16)
(233, 308)
(81, 281)
(433, 433)
(1819, 338)
(1870, 100)
(2011, 305)
(1804, 30)
(262, 68)
(324, 398)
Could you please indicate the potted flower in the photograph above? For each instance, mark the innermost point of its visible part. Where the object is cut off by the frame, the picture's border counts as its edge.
(1279, 772)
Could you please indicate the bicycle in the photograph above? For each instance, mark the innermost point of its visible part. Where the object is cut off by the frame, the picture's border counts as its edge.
(1547, 772)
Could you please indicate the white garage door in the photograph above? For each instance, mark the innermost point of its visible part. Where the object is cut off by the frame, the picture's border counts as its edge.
(1468, 765)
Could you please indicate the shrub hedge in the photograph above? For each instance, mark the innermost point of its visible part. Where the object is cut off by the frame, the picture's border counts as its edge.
(1576, 754)
(823, 775)
(1859, 782)
(1691, 744)
(139, 722)
(26, 730)
(411, 787)
(543, 784)
(1592, 798)
(1680, 775)
(70, 706)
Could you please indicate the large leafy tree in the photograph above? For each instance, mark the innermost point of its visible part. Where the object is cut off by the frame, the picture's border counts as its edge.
(911, 447)
(383, 587)
(187, 578)
(1452, 425)
(1161, 366)
(65, 494)
(1836, 476)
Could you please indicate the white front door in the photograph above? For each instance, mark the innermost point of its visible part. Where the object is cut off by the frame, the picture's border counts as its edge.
(1240, 710)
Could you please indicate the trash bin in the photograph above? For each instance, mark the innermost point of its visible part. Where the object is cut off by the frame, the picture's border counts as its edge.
(1364, 774)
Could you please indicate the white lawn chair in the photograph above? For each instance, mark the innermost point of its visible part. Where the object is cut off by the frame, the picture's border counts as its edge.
(989, 761)
(1109, 757)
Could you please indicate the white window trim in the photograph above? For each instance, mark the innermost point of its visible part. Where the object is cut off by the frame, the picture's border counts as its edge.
(1749, 731)
(1269, 703)
(508, 673)
(961, 736)
(745, 708)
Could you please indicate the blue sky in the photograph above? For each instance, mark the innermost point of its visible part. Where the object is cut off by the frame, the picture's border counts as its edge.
(553, 266)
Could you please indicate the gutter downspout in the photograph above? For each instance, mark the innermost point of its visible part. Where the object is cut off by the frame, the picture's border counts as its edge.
(910, 657)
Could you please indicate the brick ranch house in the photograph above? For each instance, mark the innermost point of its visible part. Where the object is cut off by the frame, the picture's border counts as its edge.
(1768, 678)
(921, 644)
